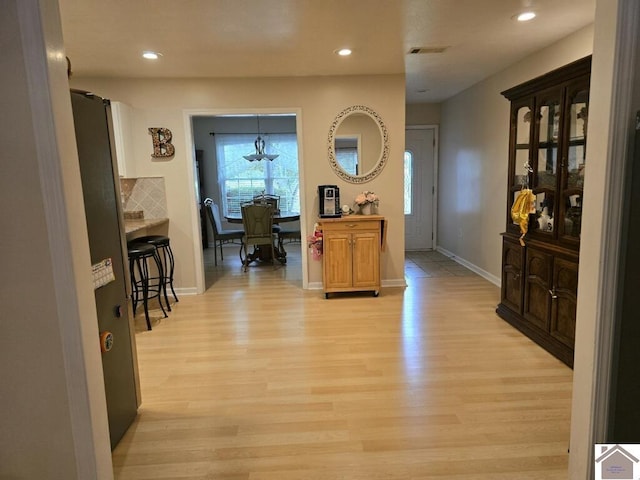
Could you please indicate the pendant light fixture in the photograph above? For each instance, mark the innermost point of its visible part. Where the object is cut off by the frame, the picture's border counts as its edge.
(260, 146)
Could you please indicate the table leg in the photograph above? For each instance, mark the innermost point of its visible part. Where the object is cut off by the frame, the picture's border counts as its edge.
(281, 253)
(262, 253)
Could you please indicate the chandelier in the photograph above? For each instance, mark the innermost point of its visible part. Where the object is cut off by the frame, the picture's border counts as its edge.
(260, 146)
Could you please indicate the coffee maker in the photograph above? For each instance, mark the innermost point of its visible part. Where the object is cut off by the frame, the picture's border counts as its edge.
(329, 201)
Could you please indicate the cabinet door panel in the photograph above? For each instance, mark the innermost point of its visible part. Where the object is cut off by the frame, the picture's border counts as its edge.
(512, 253)
(520, 153)
(548, 121)
(537, 300)
(337, 260)
(521, 134)
(563, 307)
(366, 264)
(574, 157)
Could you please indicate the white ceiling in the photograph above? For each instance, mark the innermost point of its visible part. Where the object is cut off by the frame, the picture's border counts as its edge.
(240, 38)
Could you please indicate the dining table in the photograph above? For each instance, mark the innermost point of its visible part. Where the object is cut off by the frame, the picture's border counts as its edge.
(278, 217)
(264, 254)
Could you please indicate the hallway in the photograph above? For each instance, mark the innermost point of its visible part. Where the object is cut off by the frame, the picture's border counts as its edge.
(258, 379)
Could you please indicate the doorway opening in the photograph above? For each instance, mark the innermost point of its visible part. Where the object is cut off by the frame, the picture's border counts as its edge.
(226, 170)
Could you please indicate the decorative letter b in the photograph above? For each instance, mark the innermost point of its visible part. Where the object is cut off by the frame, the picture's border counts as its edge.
(162, 146)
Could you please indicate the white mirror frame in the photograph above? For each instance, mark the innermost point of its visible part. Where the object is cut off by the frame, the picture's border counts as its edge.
(384, 153)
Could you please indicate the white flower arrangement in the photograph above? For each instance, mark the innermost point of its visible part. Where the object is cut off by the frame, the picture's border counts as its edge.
(366, 198)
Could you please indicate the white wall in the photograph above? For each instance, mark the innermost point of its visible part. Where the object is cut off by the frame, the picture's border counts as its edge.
(423, 114)
(614, 98)
(54, 420)
(166, 103)
(474, 140)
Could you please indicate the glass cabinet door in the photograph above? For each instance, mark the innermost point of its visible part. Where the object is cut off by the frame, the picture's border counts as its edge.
(522, 123)
(523, 146)
(546, 160)
(574, 163)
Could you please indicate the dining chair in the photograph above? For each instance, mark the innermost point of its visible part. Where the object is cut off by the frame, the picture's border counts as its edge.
(221, 236)
(268, 199)
(258, 222)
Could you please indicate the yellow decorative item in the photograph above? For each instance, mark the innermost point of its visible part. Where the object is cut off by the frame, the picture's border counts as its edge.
(523, 205)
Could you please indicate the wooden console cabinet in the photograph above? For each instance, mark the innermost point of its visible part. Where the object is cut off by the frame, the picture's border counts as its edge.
(547, 153)
(351, 253)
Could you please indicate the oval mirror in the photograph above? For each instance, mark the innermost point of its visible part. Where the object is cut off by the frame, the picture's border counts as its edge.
(358, 144)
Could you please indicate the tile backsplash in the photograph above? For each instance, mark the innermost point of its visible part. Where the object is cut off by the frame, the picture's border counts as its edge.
(146, 194)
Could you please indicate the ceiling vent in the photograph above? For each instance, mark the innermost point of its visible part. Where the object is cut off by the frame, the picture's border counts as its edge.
(419, 50)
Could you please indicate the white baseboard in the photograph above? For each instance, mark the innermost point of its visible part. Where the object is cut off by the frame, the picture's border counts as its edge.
(185, 291)
(314, 286)
(394, 282)
(483, 273)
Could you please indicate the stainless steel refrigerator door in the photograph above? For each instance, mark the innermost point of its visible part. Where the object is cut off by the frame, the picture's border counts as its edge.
(106, 242)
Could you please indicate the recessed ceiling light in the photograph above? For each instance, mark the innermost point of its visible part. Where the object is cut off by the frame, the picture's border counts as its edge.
(344, 52)
(151, 55)
(526, 16)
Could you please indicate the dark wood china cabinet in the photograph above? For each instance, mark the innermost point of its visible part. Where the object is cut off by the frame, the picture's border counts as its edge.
(547, 148)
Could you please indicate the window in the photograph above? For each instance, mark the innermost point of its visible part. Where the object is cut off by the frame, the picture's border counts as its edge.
(240, 179)
(347, 158)
(408, 183)
(346, 148)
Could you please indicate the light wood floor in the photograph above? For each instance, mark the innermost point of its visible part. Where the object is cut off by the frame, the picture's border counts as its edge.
(260, 380)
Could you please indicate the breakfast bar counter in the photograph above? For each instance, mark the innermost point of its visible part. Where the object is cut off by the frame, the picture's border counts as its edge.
(145, 226)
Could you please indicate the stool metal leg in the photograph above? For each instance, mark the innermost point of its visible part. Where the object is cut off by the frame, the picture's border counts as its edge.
(171, 268)
(140, 284)
(134, 285)
(158, 247)
(144, 276)
(145, 292)
(162, 288)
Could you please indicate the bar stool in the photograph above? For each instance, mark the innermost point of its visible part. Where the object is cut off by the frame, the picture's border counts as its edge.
(139, 256)
(165, 256)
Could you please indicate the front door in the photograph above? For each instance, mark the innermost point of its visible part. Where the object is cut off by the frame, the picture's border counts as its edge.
(419, 188)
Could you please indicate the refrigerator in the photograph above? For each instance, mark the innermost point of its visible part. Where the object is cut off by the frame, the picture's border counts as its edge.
(107, 244)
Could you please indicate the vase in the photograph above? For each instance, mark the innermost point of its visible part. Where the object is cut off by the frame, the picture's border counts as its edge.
(366, 209)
